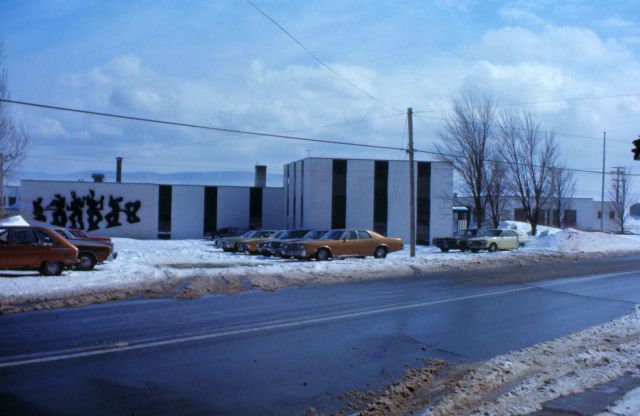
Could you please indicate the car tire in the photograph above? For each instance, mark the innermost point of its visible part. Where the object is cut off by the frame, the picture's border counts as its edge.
(493, 247)
(323, 254)
(87, 261)
(463, 249)
(51, 268)
(475, 250)
(444, 250)
(380, 253)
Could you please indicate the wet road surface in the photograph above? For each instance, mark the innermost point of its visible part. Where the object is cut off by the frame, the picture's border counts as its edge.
(281, 352)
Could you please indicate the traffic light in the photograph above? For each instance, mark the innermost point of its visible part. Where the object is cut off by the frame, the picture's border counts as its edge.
(636, 149)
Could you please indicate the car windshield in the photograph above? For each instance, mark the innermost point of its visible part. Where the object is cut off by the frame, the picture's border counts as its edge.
(251, 234)
(467, 233)
(279, 234)
(314, 234)
(489, 233)
(64, 233)
(332, 235)
(78, 233)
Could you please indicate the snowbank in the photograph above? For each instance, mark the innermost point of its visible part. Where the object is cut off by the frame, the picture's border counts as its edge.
(16, 220)
(145, 265)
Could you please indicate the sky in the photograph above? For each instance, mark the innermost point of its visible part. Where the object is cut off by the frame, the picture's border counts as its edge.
(223, 64)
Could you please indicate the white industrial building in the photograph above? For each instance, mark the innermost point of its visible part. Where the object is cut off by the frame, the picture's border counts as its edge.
(580, 213)
(326, 193)
(149, 211)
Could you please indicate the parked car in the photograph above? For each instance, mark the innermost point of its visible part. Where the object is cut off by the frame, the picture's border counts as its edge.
(250, 245)
(35, 248)
(524, 238)
(230, 244)
(81, 234)
(90, 251)
(459, 240)
(311, 235)
(344, 243)
(272, 246)
(225, 232)
(493, 240)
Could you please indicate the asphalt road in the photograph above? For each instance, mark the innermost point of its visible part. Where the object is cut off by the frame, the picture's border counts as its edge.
(281, 352)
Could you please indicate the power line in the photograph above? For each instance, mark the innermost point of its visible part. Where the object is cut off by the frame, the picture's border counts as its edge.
(315, 57)
(197, 126)
(545, 131)
(246, 132)
(557, 100)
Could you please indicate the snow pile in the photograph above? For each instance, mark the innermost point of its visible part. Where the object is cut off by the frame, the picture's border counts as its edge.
(574, 241)
(16, 220)
(525, 228)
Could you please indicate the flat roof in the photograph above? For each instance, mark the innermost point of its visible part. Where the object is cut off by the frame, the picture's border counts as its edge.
(367, 159)
(148, 183)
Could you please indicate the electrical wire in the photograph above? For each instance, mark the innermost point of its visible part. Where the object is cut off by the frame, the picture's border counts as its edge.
(316, 58)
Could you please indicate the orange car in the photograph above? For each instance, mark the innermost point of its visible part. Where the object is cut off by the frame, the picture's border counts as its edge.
(35, 248)
(344, 243)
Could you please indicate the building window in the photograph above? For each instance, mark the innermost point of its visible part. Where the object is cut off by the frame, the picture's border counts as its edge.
(210, 209)
(255, 208)
(380, 196)
(599, 215)
(423, 203)
(164, 212)
(612, 215)
(520, 215)
(570, 217)
(339, 194)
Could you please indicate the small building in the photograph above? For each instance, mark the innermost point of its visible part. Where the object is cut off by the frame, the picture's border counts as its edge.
(325, 193)
(149, 211)
(580, 213)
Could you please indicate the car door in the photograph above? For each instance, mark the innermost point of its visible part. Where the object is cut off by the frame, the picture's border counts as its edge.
(26, 250)
(366, 243)
(350, 245)
(5, 252)
(510, 239)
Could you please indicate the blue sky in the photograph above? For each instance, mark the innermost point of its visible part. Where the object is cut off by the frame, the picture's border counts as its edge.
(221, 63)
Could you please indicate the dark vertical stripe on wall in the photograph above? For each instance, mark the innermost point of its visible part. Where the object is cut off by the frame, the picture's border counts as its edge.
(164, 211)
(210, 209)
(339, 194)
(295, 193)
(424, 203)
(380, 196)
(301, 195)
(255, 208)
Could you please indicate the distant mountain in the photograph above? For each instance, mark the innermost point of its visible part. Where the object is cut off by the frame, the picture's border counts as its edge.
(229, 178)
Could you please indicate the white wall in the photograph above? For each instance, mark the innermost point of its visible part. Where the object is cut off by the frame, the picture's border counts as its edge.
(318, 194)
(398, 206)
(273, 208)
(147, 194)
(233, 207)
(360, 190)
(187, 211)
(441, 200)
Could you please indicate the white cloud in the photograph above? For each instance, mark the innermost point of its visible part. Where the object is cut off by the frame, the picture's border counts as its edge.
(617, 22)
(520, 15)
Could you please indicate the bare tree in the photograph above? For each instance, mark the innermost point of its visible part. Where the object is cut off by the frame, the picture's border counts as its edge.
(529, 154)
(619, 196)
(14, 142)
(563, 186)
(466, 144)
(496, 191)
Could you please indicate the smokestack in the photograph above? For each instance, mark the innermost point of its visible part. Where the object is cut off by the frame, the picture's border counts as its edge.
(98, 177)
(118, 170)
(260, 176)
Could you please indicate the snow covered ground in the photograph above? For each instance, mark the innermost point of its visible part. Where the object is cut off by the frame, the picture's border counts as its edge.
(144, 263)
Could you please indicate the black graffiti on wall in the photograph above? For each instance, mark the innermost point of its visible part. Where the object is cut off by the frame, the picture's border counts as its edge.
(72, 215)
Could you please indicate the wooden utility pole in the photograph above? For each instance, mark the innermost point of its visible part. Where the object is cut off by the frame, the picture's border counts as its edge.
(412, 189)
(604, 150)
